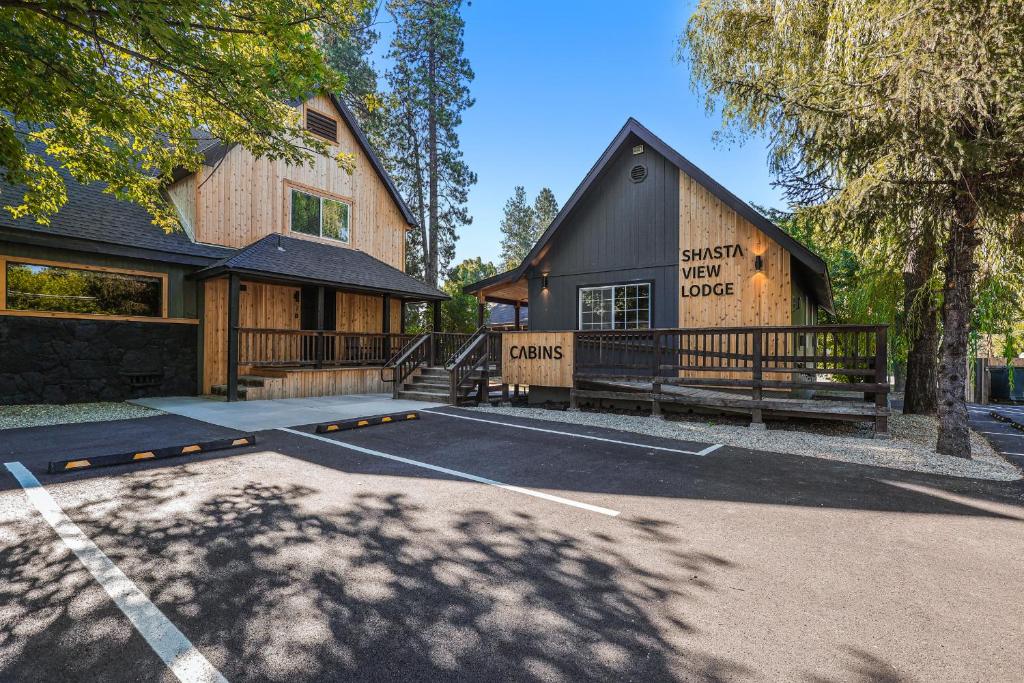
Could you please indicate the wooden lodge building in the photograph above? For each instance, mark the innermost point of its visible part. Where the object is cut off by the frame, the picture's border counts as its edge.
(284, 281)
(656, 282)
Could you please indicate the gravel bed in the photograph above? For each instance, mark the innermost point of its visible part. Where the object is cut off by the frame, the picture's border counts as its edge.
(39, 415)
(910, 448)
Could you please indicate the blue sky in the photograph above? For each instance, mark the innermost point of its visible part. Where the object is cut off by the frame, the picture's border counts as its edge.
(555, 81)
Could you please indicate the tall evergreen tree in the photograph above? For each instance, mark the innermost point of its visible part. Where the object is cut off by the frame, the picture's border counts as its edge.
(429, 90)
(882, 113)
(545, 208)
(348, 53)
(517, 229)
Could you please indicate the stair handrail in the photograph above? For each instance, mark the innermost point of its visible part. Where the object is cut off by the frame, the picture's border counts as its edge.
(396, 361)
(476, 356)
(465, 348)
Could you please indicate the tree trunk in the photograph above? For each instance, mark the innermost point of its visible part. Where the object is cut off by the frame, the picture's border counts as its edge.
(432, 170)
(957, 307)
(922, 325)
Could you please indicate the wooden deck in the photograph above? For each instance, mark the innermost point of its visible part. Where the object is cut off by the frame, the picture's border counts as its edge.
(702, 397)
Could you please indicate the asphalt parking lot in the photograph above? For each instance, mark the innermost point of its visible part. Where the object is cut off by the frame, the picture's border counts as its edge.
(465, 547)
(1003, 437)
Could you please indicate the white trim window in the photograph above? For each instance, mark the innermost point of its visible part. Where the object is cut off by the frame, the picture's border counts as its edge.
(320, 216)
(615, 307)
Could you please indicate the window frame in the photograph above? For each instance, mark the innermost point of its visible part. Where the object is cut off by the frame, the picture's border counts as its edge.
(290, 187)
(616, 285)
(32, 261)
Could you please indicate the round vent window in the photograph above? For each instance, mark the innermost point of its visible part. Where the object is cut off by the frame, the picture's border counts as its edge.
(638, 173)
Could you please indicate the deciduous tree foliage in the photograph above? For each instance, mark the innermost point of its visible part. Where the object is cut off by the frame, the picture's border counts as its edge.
(118, 91)
(884, 114)
(458, 314)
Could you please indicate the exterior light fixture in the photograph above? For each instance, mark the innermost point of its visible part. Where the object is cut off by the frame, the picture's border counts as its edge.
(544, 281)
(758, 263)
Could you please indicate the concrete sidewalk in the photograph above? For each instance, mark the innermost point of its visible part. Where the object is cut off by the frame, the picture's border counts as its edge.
(259, 415)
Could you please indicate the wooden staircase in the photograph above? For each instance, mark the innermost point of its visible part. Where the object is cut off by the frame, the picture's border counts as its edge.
(433, 383)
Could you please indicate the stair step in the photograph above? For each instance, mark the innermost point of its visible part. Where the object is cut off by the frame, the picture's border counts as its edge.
(222, 390)
(423, 396)
(428, 382)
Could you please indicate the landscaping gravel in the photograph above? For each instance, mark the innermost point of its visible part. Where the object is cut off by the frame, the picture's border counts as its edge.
(910, 448)
(12, 417)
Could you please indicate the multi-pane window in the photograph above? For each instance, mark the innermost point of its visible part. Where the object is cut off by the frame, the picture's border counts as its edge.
(319, 216)
(617, 307)
(32, 287)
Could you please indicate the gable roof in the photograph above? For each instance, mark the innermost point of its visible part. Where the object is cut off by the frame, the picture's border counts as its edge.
(213, 150)
(297, 259)
(810, 265)
(99, 221)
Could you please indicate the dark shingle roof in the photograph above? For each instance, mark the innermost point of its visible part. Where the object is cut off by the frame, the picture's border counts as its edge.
(308, 261)
(94, 215)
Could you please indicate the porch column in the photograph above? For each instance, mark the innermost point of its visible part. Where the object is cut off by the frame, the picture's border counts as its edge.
(517, 316)
(320, 342)
(234, 286)
(385, 324)
(436, 323)
(401, 316)
(479, 313)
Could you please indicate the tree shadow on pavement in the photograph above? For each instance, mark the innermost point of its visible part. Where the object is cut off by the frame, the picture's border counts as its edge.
(271, 583)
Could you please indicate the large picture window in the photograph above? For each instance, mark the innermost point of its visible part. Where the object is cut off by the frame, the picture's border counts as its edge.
(320, 216)
(37, 287)
(617, 307)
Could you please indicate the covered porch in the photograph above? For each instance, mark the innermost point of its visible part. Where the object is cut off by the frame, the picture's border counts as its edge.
(283, 323)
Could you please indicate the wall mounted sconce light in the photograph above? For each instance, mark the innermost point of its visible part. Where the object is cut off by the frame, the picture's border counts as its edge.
(544, 281)
(758, 263)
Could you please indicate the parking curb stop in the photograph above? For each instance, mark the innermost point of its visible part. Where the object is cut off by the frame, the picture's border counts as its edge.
(74, 464)
(356, 423)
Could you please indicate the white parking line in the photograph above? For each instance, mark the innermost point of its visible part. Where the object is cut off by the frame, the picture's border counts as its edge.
(1019, 436)
(456, 473)
(170, 644)
(703, 452)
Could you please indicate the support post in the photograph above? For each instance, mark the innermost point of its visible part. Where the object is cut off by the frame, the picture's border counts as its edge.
(320, 341)
(436, 316)
(516, 326)
(756, 420)
(401, 317)
(479, 314)
(385, 323)
(882, 377)
(234, 287)
(656, 375)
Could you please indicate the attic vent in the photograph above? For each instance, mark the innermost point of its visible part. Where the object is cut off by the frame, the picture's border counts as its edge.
(638, 173)
(321, 125)
(638, 149)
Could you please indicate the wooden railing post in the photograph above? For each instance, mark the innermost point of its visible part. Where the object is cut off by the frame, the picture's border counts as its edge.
(656, 373)
(234, 288)
(881, 377)
(756, 421)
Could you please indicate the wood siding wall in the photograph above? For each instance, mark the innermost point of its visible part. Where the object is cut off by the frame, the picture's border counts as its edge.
(269, 306)
(760, 298)
(243, 198)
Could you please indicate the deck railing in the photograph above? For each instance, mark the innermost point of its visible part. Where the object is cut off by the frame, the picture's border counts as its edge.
(851, 357)
(316, 348)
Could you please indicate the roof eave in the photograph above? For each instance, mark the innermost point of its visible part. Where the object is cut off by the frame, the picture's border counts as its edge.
(223, 269)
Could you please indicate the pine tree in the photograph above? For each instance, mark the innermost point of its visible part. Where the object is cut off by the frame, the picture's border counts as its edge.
(545, 208)
(348, 53)
(518, 229)
(429, 90)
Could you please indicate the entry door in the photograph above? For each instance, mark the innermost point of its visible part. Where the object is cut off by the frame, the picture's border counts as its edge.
(308, 322)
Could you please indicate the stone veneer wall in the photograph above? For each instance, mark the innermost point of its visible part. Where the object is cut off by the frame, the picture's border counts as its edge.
(55, 360)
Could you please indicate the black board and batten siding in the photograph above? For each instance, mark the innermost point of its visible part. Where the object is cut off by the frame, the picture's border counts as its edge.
(622, 231)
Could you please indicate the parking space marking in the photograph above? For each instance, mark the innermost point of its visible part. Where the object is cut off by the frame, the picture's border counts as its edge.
(703, 452)
(1019, 436)
(456, 473)
(170, 644)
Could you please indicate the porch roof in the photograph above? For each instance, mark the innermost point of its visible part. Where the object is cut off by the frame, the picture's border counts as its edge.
(291, 259)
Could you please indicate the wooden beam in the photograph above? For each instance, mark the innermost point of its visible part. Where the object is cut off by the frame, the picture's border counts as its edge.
(385, 325)
(234, 286)
(479, 314)
(436, 321)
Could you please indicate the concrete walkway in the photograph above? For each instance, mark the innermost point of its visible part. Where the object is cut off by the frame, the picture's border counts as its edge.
(253, 416)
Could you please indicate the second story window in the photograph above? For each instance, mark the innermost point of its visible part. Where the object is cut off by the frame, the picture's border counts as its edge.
(320, 216)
